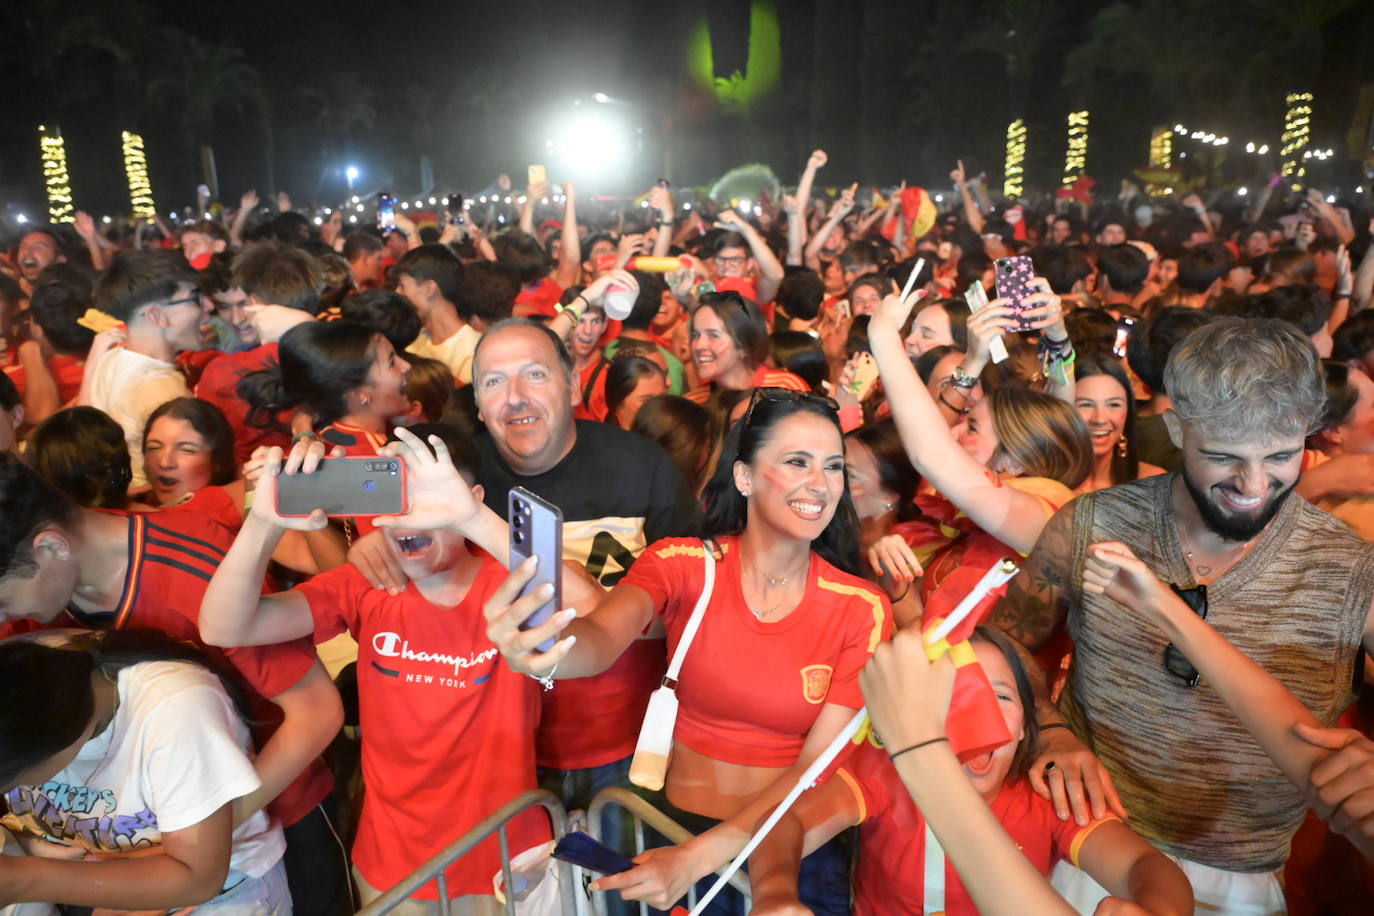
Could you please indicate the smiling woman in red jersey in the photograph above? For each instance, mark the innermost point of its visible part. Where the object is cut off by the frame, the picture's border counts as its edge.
(771, 676)
(729, 342)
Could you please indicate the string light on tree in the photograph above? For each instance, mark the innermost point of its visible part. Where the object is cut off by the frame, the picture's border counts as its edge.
(1076, 156)
(1297, 130)
(1014, 172)
(55, 178)
(1162, 148)
(136, 167)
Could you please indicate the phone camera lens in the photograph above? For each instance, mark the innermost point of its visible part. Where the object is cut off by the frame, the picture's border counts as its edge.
(518, 522)
(519, 538)
(393, 466)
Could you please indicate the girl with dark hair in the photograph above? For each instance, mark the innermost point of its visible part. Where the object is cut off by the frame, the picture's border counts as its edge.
(1102, 394)
(730, 347)
(630, 381)
(683, 429)
(82, 452)
(188, 454)
(883, 485)
(893, 875)
(771, 677)
(348, 377)
(126, 746)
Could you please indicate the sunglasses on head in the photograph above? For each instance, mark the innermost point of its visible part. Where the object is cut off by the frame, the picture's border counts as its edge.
(1175, 662)
(778, 395)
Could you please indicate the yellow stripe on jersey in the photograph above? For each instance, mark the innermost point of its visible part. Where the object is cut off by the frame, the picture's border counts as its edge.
(874, 603)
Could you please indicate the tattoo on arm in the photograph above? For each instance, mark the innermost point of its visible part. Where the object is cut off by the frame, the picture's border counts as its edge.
(1035, 602)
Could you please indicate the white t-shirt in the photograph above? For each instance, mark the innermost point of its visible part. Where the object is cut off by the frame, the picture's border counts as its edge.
(455, 352)
(175, 753)
(129, 386)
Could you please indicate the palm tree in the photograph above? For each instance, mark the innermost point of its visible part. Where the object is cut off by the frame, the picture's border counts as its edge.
(201, 79)
(1289, 32)
(1018, 31)
(337, 106)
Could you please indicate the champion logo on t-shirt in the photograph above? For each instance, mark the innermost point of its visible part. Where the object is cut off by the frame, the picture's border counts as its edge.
(394, 645)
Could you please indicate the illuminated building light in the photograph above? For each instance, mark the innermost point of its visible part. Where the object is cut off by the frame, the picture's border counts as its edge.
(1162, 148)
(136, 167)
(1013, 171)
(55, 178)
(1076, 155)
(1297, 131)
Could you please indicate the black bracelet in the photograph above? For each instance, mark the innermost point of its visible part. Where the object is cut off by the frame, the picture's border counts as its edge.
(1051, 344)
(1054, 725)
(915, 747)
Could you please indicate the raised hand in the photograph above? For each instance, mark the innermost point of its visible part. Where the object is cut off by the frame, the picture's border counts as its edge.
(249, 200)
(907, 696)
(505, 610)
(84, 225)
(661, 200)
(283, 202)
(440, 499)
(269, 468)
(845, 202)
(817, 160)
(895, 310)
(957, 176)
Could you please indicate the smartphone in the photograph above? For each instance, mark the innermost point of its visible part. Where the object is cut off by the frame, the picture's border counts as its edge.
(536, 529)
(345, 487)
(456, 214)
(1123, 334)
(865, 374)
(538, 175)
(842, 309)
(581, 850)
(1014, 277)
(386, 212)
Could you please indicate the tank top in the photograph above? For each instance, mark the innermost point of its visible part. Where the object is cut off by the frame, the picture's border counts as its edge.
(1196, 783)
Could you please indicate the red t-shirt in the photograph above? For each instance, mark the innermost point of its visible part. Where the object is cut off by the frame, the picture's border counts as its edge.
(448, 729)
(66, 371)
(172, 556)
(750, 690)
(214, 503)
(763, 378)
(889, 879)
(219, 385)
(356, 443)
(541, 299)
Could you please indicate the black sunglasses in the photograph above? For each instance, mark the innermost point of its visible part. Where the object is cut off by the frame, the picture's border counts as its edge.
(1175, 662)
(779, 395)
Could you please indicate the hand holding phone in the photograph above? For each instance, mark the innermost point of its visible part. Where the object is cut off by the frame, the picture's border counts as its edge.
(1014, 276)
(386, 212)
(865, 374)
(536, 529)
(583, 851)
(345, 487)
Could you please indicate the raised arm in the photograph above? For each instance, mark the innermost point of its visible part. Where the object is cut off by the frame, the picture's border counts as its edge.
(838, 212)
(569, 269)
(661, 202)
(770, 268)
(85, 227)
(247, 202)
(1014, 517)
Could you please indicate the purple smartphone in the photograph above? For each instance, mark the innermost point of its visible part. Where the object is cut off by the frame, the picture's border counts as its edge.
(1014, 277)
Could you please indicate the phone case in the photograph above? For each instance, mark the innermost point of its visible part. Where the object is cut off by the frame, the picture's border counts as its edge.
(345, 487)
(1014, 276)
(583, 851)
(538, 174)
(865, 374)
(536, 529)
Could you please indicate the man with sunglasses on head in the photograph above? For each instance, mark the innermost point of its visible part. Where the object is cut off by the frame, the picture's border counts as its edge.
(1286, 583)
(156, 296)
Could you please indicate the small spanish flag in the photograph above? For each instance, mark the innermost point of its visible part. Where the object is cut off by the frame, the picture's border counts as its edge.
(974, 725)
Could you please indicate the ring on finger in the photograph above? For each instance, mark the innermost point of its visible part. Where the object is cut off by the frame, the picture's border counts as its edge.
(1049, 766)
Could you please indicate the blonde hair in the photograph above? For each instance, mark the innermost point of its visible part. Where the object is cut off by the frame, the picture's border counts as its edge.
(1043, 435)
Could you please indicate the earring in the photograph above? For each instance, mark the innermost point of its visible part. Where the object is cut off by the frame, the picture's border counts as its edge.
(1121, 447)
(365, 400)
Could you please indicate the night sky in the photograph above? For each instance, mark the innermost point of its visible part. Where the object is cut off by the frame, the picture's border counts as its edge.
(891, 89)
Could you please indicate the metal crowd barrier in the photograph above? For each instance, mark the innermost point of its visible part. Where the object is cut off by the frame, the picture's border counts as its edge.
(469, 841)
(645, 813)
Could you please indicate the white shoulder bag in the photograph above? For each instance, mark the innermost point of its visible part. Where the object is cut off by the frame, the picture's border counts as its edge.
(655, 745)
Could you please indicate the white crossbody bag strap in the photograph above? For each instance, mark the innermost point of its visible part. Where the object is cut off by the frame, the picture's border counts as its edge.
(655, 744)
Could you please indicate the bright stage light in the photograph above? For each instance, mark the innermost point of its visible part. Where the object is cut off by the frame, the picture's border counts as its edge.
(351, 173)
(591, 143)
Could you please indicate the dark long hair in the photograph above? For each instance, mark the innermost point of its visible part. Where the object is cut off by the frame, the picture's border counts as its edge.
(1025, 691)
(1095, 362)
(207, 420)
(622, 378)
(83, 453)
(726, 509)
(47, 701)
(895, 471)
(318, 363)
(683, 429)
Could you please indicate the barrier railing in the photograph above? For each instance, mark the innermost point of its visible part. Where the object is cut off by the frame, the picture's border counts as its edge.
(469, 841)
(645, 813)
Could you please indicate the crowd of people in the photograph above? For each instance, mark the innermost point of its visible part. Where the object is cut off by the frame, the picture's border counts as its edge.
(784, 436)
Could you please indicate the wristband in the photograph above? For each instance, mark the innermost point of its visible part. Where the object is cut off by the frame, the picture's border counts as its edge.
(572, 307)
(1050, 344)
(306, 434)
(916, 747)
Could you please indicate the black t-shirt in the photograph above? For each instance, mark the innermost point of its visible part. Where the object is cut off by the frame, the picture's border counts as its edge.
(619, 492)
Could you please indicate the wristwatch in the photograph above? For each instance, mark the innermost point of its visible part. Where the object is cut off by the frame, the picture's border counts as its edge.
(962, 379)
